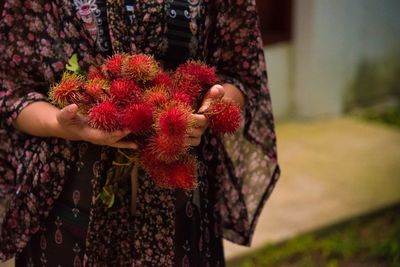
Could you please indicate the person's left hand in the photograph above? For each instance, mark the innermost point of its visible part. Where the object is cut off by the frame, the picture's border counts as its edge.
(200, 121)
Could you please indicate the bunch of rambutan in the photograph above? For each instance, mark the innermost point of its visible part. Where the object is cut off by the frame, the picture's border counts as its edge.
(133, 92)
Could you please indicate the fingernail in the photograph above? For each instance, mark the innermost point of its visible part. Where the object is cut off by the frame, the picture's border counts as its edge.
(72, 107)
(219, 87)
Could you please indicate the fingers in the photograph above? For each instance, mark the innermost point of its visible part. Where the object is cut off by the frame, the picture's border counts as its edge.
(216, 92)
(191, 141)
(125, 144)
(112, 139)
(67, 113)
(76, 124)
(194, 133)
(199, 121)
(200, 124)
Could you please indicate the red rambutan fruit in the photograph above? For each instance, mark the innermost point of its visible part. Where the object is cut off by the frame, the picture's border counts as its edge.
(86, 102)
(183, 98)
(224, 117)
(138, 117)
(182, 174)
(97, 88)
(154, 167)
(204, 74)
(163, 79)
(140, 67)
(166, 148)
(187, 84)
(94, 73)
(125, 91)
(113, 65)
(105, 116)
(67, 91)
(173, 121)
(149, 161)
(178, 174)
(156, 95)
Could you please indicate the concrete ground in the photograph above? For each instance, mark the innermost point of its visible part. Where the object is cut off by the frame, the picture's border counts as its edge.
(331, 170)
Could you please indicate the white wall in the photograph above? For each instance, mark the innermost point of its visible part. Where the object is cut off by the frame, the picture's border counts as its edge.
(331, 37)
(279, 60)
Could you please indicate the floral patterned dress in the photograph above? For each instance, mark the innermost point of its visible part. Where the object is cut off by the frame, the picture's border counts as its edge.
(51, 184)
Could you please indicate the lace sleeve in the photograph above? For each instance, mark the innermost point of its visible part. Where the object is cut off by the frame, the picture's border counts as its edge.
(249, 166)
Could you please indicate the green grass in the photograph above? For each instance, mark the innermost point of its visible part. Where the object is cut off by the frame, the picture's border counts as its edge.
(371, 240)
(389, 115)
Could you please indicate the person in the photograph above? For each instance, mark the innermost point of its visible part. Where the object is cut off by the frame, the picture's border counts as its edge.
(53, 165)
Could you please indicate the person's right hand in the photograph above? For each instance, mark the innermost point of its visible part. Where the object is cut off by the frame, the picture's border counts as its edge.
(74, 126)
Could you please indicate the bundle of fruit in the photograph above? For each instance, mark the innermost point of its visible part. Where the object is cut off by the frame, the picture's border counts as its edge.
(132, 92)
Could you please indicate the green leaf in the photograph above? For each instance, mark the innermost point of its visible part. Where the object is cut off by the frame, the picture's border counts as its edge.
(73, 64)
(107, 196)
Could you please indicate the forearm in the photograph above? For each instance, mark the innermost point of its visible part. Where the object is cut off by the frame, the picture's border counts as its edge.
(39, 119)
(45, 120)
(234, 94)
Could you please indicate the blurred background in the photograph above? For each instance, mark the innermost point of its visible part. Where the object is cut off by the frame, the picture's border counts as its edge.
(334, 74)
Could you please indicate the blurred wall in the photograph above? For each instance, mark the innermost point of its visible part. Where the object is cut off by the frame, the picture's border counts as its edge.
(309, 75)
(331, 38)
(279, 58)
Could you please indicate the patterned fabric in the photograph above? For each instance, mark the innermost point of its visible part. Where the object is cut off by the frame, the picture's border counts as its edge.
(61, 240)
(184, 18)
(236, 176)
(92, 14)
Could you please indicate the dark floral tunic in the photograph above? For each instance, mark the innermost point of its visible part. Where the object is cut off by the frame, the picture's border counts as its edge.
(236, 174)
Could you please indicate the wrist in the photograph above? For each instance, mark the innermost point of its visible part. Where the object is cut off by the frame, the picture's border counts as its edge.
(59, 130)
(54, 127)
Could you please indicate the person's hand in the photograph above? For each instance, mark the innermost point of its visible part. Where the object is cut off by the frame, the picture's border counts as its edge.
(200, 121)
(74, 126)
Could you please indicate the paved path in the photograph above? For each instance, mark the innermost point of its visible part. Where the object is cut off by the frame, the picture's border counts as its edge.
(331, 170)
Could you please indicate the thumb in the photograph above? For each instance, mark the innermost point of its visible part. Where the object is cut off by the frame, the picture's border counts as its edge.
(215, 93)
(68, 113)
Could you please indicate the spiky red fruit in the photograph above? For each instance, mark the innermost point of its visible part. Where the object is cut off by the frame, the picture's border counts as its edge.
(182, 98)
(86, 102)
(105, 116)
(163, 79)
(149, 161)
(140, 67)
(224, 117)
(124, 91)
(204, 74)
(168, 149)
(94, 73)
(178, 174)
(138, 117)
(187, 84)
(182, 174)
(113, 65)
(157, 95)
(97, 88)
(67, 91)
(154, 167)
(173, 121)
